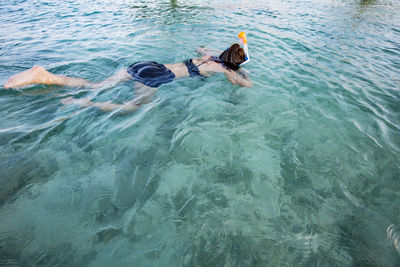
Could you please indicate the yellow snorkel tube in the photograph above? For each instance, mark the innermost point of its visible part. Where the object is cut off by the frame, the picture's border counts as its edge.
(243, 42)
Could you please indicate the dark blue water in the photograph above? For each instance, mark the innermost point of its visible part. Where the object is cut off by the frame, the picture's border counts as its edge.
(300, 170)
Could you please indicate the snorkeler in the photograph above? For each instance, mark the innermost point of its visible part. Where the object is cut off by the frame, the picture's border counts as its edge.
(148, 75)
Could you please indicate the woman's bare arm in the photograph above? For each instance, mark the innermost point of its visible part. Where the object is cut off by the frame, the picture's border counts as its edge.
(236, 78)
(207, 52)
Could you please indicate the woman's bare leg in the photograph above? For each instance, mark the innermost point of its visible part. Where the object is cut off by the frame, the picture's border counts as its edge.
(39, 75)
(120, 76)
(143, 95)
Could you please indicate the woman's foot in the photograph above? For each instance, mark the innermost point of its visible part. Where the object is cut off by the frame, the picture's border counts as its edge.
(37, 74)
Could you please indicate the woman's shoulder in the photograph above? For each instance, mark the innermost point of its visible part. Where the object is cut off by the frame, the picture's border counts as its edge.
(202, 59)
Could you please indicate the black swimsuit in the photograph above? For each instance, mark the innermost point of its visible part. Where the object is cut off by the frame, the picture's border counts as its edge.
(150, 73)
(192, 68)
(154, 74)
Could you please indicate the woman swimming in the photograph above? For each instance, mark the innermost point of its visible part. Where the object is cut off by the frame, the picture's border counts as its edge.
(148, 75)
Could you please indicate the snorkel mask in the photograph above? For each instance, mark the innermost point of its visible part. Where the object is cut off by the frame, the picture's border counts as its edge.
(243, 43)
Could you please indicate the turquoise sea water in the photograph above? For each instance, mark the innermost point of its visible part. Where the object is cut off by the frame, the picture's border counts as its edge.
(300, 170)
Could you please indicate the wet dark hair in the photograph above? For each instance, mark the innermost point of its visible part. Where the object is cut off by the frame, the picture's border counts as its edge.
(233, 56)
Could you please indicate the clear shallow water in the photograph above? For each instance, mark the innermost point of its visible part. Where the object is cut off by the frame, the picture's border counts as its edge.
(300, 170)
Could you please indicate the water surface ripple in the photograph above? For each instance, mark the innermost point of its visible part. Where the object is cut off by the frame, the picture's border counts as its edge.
(300, 170)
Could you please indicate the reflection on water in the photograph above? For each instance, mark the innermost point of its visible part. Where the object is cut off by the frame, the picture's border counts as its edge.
(300, 170)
